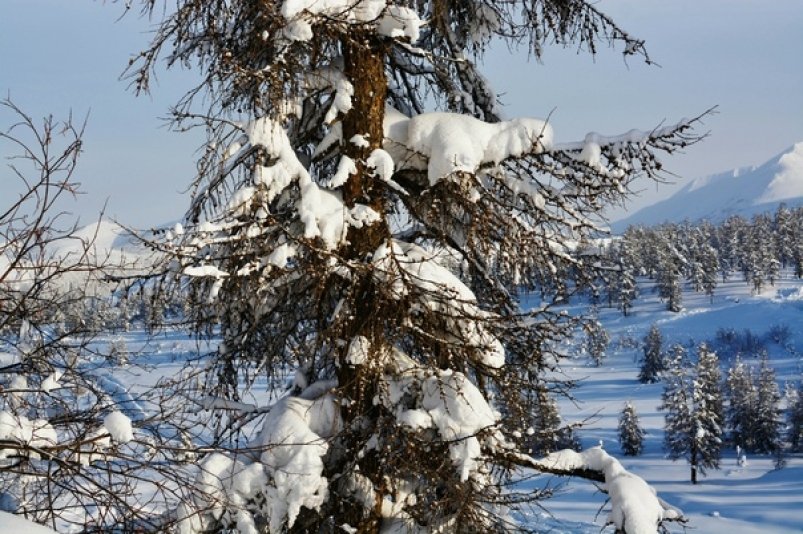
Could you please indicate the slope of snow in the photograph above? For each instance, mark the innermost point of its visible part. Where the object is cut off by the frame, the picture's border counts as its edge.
(738, 499)
(102, 244)
(744, 192)
(788, 182)
(14, 523)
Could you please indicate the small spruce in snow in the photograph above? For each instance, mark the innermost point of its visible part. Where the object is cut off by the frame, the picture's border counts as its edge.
(631, 435)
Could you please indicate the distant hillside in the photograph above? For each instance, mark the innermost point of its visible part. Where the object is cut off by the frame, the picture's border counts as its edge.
(102, 243)
(746, 192)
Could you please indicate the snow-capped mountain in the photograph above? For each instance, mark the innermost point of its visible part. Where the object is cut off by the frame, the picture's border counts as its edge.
(745, 191)
(105, 245)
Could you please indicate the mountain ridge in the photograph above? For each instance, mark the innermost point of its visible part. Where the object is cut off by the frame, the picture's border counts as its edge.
(744, 191)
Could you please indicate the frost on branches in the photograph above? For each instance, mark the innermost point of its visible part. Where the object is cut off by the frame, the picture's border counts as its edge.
(365, 217)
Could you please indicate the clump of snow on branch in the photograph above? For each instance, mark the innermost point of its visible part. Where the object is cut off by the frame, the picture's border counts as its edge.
(635, 507)
(400, 22)
(459, 411)
(119, 426)
(460, 143)
(404, 266)
(332, 77)
(446, 401)
(30, 433)
(288, 473)
(358, 351)
(224, 486)
(52, 381)
(294, 436)
(393, 21)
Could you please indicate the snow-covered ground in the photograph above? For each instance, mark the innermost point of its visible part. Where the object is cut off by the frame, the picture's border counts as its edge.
(735, 499)
(755, 498)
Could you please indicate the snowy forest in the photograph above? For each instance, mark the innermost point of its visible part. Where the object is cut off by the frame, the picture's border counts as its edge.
(370, 316)
(701, 255)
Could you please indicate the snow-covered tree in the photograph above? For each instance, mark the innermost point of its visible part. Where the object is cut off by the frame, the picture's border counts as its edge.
(767, 436)
(546, 433)
(669, 269)
(754, 414)
(364, 215)
(709, 406)
(652, 364)
(742, 399)
(631, 435)
(693, 406)
(65, 458)
(795, 418)
(625, 277)
(596, 340)
(677, 403)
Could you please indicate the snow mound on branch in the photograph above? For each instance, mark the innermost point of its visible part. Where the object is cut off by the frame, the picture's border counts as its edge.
(423, 398)
(294, 437)
(224, 486)
(322, 212)
(400, 21)
(204, 271)
(52, 381)
(36, 433)
(405, 268)
(119, 426)
(460, 143)
(635, 508)
(359, 350)
(459, 411)
(392, 21)
(332, 77)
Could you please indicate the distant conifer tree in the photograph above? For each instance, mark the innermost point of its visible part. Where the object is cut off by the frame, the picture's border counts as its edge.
(631, 435)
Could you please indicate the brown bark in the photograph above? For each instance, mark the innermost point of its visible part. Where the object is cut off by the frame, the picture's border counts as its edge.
(364, 58)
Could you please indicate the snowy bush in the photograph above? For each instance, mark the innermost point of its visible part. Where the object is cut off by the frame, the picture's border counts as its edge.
(778, 334)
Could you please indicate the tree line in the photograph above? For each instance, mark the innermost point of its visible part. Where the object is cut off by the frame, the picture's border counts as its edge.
(700, 255)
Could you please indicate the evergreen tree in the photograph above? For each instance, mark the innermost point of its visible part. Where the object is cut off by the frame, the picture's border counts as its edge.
(796, 242)
(767, 429)
(711, 268)
(626, 287)
(653, 362)
(597, 339)
(546, 433)
(742, 401)
(795, 418)
(668, 280)
(631, 435)
(677, 403)
(783, 226)
(709, 410)
(693, 406)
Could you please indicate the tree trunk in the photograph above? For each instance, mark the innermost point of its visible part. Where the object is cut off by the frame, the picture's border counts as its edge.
(363, 57)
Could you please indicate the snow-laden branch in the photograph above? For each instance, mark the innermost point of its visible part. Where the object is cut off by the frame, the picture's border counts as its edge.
(635, 507)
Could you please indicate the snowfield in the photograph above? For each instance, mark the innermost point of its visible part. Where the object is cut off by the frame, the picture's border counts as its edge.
(751, 498)
(755, 498)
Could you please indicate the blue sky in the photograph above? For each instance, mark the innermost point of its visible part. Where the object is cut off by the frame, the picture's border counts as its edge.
(746, 56)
